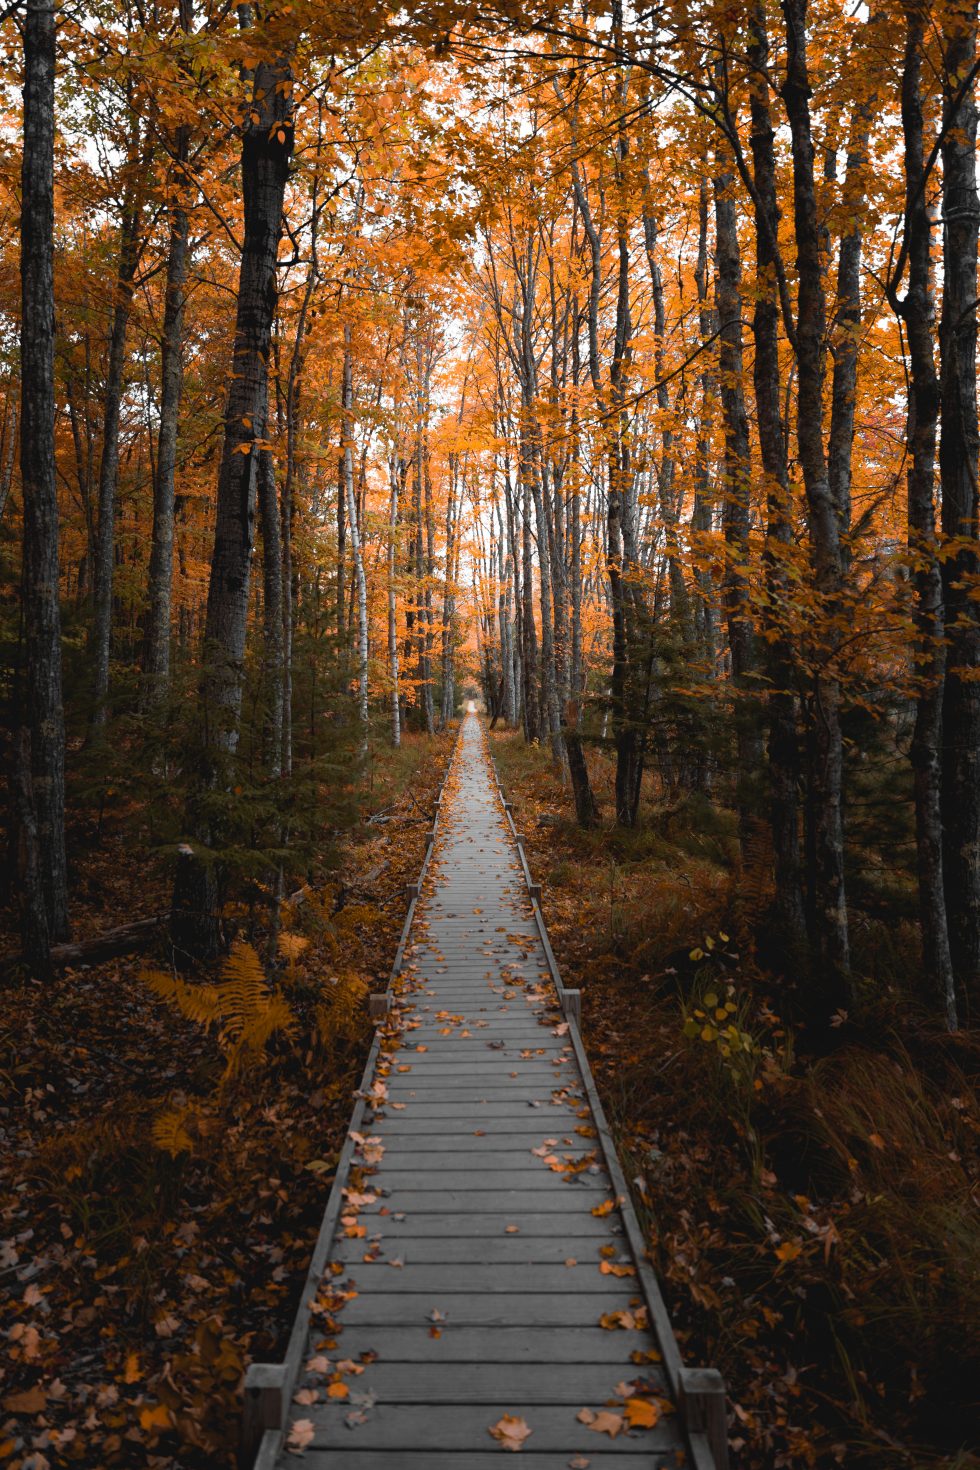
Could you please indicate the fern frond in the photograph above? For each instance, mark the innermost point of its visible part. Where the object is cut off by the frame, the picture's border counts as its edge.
(199, 1003)
(169, 1132)
(243, 991)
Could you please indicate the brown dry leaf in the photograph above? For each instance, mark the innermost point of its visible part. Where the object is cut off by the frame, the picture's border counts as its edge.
(338, 1391)
(606, 1422)
(28, 1401)
(157, 1417)
(300, 1435)
(510, 1432)
(606, 1208)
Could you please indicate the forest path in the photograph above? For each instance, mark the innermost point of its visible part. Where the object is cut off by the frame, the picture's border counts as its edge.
(484, 1261)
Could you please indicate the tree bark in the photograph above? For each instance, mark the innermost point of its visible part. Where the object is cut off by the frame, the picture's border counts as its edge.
(267, 135)
(828, 899)
(105, 545)
(156, 643)
(918, 312)
(784, 752)
(43, 705)
(959, 454)
(736, 509)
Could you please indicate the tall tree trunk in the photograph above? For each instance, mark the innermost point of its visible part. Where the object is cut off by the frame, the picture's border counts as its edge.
(919, 314)
(736, 509)
(394, 483)
(9, 448)
(105, 547)
(784, 750)
(44, 710)
(828, 898)
(156, 643)
(267, 135)
(958, 464)
(272, 614)
(360, 580)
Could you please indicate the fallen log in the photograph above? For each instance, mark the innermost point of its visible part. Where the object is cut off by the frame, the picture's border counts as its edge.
(126, 939)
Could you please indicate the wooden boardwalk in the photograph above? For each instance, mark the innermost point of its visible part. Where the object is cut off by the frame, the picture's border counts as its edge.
(479, 1260)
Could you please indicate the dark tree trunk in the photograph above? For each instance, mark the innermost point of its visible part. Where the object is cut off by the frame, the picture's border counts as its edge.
(958, 463)
(105, 545)
(784, 751)
(918, 312)
(828, 904)
(266, 146)
(44, 713)
(272, 614)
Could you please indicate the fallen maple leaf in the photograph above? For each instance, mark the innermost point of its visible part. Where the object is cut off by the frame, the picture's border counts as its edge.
(641, 1413)
(300, 1435)
(510, 1432)
(156, 1418)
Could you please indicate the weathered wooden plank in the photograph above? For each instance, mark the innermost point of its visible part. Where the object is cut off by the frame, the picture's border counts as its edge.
(554, 1427)
(519, 1247)
(399, 1154)
(476, 1201)
(489, 1309)
(345, 1458)
(584, 1278)
(534, 1216)
(458, 1344)
(488, 1181)
(488, 1382)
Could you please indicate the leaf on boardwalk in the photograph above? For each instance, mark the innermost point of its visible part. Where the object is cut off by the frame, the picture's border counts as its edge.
(641, 1413)
(603, 1422)
(300, 1435)
(510, 1432)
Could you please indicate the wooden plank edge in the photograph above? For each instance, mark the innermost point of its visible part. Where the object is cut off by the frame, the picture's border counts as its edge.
(698, 1392)
(268, 1387)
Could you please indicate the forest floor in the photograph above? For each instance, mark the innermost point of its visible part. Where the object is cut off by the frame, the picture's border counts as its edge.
(811, 1207)
(158, 1207)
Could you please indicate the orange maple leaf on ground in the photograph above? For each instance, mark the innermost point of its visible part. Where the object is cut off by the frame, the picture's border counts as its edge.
(510, 1432)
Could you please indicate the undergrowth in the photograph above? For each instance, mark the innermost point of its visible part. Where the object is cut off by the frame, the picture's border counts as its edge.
(169, 1143)
(811, 1210)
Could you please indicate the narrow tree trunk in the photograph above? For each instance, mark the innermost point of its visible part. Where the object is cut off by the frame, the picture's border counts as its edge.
(105, 548)
(272, 614)
(736, 509)
(394, 483)
(959, 453)
(784, 750)
(156, 643)
(9, 450)
(43, 713)
(360, 579)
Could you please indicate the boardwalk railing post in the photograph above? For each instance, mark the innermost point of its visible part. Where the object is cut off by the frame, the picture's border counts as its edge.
(572, 1005)
(378, 1005)
(701, 1401)
(263, 1407)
